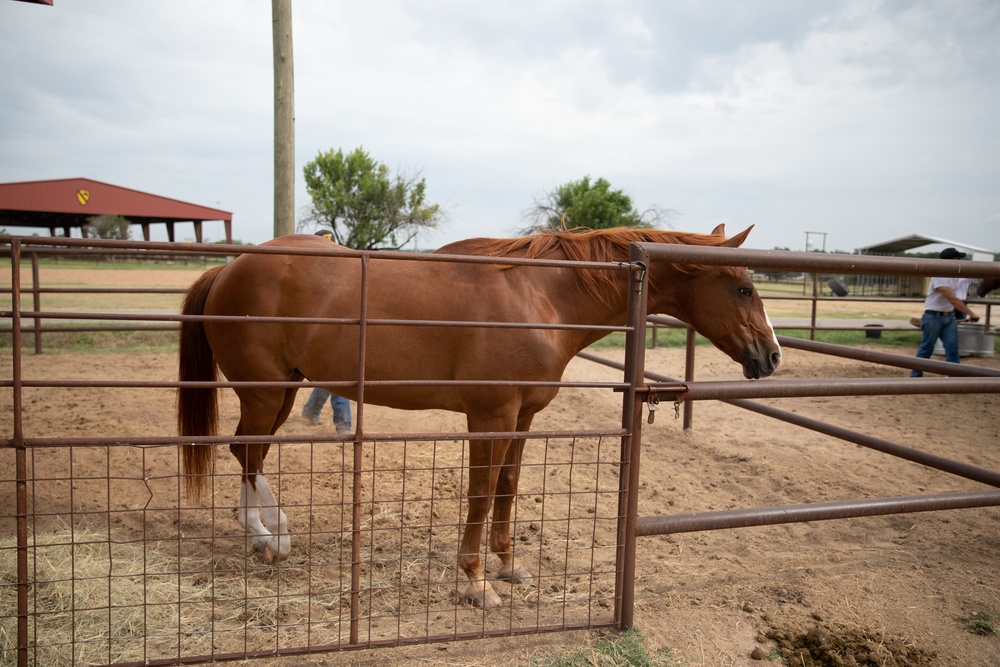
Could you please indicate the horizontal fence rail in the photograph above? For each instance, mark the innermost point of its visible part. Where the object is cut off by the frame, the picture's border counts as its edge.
(820, 511)
(93, 321)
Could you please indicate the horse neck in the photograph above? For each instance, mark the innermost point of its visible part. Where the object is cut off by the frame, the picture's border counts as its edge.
(576, 305)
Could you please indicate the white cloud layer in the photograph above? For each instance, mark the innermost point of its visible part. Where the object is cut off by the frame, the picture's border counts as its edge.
(867, 121)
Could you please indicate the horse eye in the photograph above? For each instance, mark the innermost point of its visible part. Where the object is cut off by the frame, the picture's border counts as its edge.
(746, 291)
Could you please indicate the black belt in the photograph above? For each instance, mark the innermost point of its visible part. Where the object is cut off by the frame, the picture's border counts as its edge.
(939, 313)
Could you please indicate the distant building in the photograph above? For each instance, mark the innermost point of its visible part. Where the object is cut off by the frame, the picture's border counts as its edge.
(69, 203)
(909, 285)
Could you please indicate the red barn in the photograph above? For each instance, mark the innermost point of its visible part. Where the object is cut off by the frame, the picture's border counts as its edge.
(72, 202)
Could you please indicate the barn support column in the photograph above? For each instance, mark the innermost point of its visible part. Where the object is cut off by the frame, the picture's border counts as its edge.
(197, 231)
(170, 232)
(229, 230)
(145, 231)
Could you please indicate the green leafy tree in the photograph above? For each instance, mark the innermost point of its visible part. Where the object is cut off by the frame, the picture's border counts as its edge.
(107, 226)
(354, 196)
(584, 203)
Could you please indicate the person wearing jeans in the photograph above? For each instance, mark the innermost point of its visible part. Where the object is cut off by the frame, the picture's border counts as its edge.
(938, 320)
(341, 406)
(341, 409)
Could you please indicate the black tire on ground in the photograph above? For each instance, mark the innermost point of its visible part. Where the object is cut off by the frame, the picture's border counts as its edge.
(838, 287)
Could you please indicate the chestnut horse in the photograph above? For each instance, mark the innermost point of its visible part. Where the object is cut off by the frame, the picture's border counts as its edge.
(719, 302)
(987, 286)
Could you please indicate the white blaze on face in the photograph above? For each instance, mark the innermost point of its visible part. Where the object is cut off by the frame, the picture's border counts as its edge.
(770, 326)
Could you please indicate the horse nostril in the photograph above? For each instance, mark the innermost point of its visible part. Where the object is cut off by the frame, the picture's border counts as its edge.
(775, 359)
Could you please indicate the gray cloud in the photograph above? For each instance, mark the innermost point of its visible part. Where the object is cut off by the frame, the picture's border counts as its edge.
(867, 121)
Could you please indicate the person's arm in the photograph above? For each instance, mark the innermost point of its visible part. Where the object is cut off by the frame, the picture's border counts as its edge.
(949, 294)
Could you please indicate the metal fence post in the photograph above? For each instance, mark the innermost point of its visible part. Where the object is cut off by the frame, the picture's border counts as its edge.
(21, 459)
(628, 502)
(37, 301)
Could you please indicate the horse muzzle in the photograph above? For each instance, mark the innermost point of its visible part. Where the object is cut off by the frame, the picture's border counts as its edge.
(760, 363)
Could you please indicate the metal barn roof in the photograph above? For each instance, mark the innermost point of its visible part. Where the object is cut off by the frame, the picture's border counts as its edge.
(71, 202)
(918, 241)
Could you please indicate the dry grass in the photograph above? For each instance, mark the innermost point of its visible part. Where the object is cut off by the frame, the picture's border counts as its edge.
(95, 600)
(89, 590)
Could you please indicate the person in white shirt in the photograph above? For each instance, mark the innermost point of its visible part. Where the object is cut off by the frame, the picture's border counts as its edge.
(963, 294)
(938, 320)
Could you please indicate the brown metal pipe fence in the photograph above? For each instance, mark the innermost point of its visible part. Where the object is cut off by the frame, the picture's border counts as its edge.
(546, 609)
(141, 251)
(335, 597)
(737, 393)
(820, 511)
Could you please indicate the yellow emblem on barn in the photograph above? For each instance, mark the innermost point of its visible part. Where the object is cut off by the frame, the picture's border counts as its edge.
(83, 196)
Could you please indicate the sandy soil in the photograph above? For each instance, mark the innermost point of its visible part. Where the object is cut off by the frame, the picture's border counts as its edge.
(879, 591)
(895, 586)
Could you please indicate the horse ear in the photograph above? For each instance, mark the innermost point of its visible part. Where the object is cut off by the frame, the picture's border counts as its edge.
(736, 241)
(720, 230)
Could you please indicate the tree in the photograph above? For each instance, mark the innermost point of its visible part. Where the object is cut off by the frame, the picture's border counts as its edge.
(354, 196)
(107, 226)
(585, 204)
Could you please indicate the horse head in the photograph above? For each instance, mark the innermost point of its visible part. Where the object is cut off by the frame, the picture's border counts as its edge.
(987, 286)
(722, 304)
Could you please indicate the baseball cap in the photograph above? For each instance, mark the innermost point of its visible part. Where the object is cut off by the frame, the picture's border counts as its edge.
(951, 253)
(328, 235)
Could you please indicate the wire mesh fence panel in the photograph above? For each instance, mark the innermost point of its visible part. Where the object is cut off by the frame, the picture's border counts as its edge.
(124, 568)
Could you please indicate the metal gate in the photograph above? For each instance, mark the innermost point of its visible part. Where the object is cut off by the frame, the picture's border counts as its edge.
(109, 562)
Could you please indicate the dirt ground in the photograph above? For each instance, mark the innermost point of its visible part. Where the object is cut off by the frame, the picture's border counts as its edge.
(874, 591)
(896, 585)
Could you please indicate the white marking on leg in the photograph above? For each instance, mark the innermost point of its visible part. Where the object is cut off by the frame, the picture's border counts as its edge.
(249, 516)
(274, 518)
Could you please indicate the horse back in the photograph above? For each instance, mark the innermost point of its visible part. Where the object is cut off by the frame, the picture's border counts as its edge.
(404, 290)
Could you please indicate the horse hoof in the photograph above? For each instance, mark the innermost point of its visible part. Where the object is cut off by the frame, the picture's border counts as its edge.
(518, 575)
(272, 558)
(480, 597)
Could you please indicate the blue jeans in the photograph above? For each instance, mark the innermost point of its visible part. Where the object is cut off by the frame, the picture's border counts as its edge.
(933, 327)
(341, 408)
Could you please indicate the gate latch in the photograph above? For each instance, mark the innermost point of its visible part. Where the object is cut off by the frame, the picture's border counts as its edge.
(652, 400)
(669, 390)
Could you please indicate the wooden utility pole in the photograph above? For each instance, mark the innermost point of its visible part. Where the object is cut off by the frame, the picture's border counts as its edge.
(284, 119)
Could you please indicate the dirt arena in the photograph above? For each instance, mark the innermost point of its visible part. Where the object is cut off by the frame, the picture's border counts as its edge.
(882, 591)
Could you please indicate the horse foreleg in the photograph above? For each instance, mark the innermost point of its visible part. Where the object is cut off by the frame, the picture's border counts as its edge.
(510, 567)
(485, 458)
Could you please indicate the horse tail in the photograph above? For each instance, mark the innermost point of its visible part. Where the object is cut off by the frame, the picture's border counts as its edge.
(197, 407)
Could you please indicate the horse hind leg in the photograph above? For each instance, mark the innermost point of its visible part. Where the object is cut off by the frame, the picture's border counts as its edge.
(276, 547)
(259, 512)
(271, 538)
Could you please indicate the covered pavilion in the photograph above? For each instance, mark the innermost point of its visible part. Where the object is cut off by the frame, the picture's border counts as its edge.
(71, 202)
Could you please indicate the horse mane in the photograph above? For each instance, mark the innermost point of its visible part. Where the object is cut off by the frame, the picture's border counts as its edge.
(589, 245)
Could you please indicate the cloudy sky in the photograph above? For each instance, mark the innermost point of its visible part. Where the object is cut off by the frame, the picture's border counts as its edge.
(867, 121)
